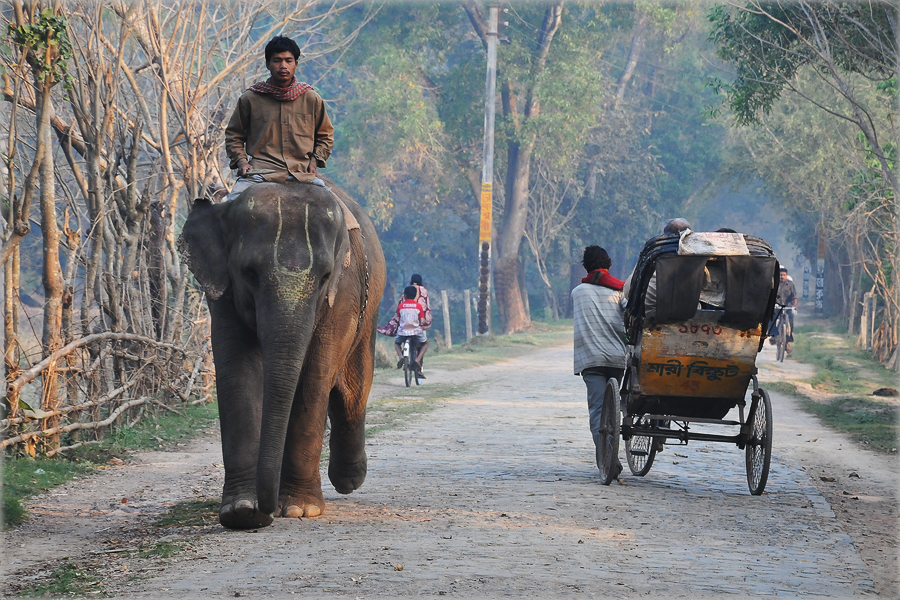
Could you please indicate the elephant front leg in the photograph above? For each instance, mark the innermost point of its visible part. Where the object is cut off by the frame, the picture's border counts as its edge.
(301, 485)
(239, 390)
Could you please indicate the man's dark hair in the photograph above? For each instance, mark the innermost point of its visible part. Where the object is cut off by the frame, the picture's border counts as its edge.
(594, 258)
(410, 292)
(725, 230)
(416, 279)
(280, 43)
(676, 226)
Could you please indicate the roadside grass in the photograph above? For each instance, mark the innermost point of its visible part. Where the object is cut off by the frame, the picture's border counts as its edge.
(24, 477)
(69, 579)
(871, 423)
(191, 513)
(848, 376)
(87, 578)
(485, 350)
(386, 413)
(841, 366)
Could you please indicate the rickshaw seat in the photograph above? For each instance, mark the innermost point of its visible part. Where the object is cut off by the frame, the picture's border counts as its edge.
(680, 280)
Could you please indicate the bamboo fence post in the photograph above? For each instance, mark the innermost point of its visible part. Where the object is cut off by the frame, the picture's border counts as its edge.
(445, 306)
(467, 302)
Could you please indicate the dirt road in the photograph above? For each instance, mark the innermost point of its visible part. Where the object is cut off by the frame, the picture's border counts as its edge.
(495, 494)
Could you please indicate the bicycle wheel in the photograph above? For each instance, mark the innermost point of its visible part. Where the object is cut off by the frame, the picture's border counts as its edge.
(781, 340)
(608, 448)
(759, 446)
(407, 364)
(640, 452)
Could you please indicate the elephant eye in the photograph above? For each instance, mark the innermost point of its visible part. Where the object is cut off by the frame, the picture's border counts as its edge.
(251, 276)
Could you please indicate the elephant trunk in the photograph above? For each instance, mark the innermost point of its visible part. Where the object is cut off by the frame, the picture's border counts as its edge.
(284, 336)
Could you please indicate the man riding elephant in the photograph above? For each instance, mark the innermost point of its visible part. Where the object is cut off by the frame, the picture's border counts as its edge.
(280, 130)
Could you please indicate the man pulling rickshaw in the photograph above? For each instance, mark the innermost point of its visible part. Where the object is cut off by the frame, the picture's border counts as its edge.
(691, 354)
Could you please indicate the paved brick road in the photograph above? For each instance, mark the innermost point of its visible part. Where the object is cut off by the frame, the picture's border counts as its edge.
(495, 494)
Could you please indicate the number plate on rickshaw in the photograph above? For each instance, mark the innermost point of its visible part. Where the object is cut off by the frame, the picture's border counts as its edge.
(700, 358)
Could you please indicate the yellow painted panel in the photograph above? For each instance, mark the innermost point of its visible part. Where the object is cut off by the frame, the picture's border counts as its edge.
(698, 358)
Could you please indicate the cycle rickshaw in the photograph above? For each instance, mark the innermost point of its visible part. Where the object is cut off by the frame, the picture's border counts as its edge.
(692, 354)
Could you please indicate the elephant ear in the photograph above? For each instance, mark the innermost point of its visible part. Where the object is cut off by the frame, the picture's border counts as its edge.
(341, 262)
(202, 247)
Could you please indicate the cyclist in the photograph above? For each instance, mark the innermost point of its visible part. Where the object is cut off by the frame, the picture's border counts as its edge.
(410, 316)
(787, 297)
(394, 324)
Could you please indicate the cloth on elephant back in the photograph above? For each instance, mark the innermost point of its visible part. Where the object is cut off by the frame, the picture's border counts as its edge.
(394, 324)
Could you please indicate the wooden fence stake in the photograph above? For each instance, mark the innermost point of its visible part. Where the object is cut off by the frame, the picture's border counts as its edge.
(446, 306)
(467, 300)
(870, 324)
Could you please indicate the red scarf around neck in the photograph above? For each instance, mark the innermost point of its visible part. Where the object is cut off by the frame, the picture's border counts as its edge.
(602, 277)
(282, 94)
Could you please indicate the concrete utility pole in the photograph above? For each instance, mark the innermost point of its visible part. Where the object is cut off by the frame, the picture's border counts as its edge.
(487, 175)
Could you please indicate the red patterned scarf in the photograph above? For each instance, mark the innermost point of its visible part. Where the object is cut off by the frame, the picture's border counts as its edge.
(291, 92)
(602, 277)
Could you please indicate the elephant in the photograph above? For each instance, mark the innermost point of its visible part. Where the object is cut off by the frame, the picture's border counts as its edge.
(293, 275)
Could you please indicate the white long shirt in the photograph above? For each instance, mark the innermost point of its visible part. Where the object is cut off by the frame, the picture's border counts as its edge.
(599, 314)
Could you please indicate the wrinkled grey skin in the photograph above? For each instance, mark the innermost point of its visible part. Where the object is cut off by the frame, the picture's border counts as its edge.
(287, 344)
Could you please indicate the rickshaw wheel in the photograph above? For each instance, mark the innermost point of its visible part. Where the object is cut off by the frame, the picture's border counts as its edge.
(640, 452)
(608, 450)
(759, 446)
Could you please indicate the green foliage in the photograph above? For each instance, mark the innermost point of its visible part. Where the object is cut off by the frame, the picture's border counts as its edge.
(768, 45)
(46, 45)
(408, 107)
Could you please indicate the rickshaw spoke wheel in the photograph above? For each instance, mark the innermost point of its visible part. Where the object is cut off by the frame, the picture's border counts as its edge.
(759, 446)
(640, 452)
(608, 448)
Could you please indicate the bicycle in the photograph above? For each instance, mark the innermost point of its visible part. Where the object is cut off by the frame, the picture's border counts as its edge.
(782, 327)
(410, 368)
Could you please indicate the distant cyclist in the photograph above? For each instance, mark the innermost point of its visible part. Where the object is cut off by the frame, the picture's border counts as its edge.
(394, 324)
(410, 316)
(787, 297)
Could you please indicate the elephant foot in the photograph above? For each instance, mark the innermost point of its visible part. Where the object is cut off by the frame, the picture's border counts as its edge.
(243, 513)
(347, 477)
(301, 505)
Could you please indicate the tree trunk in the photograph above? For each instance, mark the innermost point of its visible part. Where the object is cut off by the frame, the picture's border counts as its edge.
(52, 277)
(506, 280)
(634, 53)
(518, 175)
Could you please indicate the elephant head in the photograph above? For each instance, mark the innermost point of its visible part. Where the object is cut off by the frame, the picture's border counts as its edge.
(270, 263)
